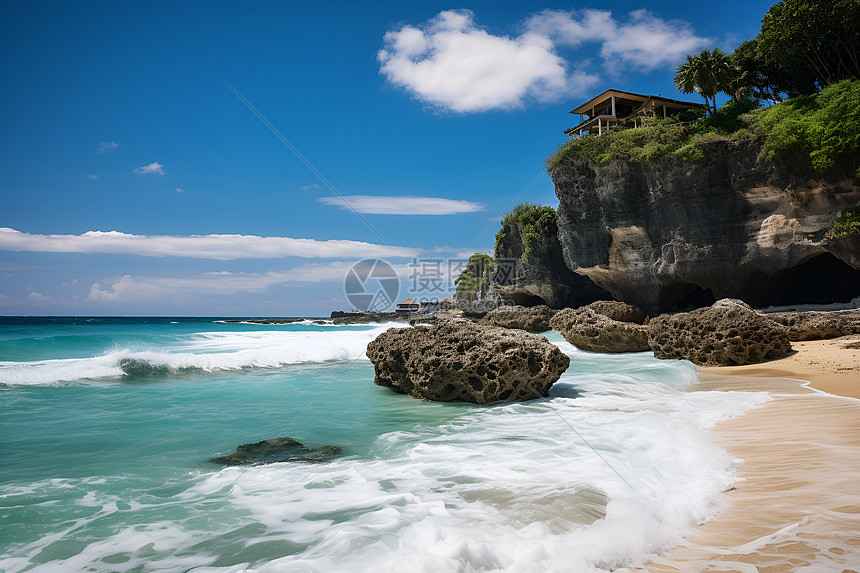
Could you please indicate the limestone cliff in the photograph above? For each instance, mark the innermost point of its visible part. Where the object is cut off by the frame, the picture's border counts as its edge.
(673, 233)
(532, 271)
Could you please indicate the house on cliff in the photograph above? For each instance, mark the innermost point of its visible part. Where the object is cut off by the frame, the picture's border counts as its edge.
(619, 109)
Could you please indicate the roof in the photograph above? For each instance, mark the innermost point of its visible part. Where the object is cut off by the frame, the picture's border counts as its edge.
(407, 301)
(586, 107)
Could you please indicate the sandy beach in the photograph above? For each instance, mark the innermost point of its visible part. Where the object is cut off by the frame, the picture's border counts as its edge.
(796, 503)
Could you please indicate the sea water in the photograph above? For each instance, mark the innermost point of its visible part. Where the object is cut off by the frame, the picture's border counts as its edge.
(109, 425)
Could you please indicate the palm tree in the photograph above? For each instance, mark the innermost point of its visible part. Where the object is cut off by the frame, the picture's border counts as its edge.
(707, 73)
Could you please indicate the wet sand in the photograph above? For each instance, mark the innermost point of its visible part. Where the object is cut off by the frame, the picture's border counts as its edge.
(796, 503)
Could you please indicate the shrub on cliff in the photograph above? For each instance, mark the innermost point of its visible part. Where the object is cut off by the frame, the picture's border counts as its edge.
(825, 127)
(847, 224)
(531, 218)
(475, 279)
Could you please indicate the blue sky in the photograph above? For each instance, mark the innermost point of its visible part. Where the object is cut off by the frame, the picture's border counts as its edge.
(135, 181)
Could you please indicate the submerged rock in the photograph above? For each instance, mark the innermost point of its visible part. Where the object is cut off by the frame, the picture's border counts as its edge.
(813, 325)
(368, 317)
(529, 318)
(459, 360)
(595, 332)
(728, 333)
(277, 450)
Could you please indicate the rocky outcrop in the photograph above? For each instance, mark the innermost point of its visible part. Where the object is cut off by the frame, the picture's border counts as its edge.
(594, 332)
(620, 311)
(531, 319)
(674, 233)
(539, 276)
(728, 333)
(814, 325)
(459, 360)
(277, 450)
(339, 317)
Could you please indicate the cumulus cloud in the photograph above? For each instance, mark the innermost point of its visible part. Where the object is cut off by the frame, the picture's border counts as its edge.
(91, 176)
(404, 205)
(641, 40)
(155, 168)
(107, 147)
(178, 190)
(219, 247)
(454, 64)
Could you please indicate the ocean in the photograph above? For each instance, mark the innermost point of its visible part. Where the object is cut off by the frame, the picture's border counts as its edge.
(109, 425)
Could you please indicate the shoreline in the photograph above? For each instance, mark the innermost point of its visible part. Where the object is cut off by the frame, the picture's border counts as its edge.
(795, 502)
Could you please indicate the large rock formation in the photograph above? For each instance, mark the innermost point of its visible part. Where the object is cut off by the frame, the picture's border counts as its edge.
(673, 233)
(728, 333)
(539, 276)
(459, 360)
(531, 318)
(812, 325)
(594, 332)
(620, 311)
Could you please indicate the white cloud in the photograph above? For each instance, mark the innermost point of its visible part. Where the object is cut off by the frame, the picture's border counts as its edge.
(153, 168)
(220, 247)
(452, 63)
(642, 40)
(107, 147)
(91, 176)
(178, 190)
(404, 205)
(128, 288)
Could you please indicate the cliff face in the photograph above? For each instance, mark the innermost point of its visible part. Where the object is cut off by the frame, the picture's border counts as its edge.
(539, 276)
(675, 233)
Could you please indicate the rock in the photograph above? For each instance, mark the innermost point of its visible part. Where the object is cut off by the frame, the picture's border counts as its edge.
(538, 274)
(670, 234)
(813, 325)
(459, 360)
(529, 318)
(277, 450)
(435, 318)
(593, 332)
(620, 311)
(728, 333)
(268, 320)
(339, 317)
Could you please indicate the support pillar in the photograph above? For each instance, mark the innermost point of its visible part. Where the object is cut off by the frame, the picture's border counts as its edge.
(613, 107)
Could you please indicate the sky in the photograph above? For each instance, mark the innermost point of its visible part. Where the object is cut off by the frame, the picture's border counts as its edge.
(238, 158)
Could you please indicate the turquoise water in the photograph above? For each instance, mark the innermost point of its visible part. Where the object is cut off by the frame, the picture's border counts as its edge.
(109, 426)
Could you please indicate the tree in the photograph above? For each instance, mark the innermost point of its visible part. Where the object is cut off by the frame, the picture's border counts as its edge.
(810, 44)
(707, 73)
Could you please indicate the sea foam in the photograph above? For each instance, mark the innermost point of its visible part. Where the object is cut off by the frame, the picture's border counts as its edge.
(205, 352)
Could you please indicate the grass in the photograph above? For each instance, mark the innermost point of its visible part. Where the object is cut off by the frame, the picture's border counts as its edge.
(825, 127)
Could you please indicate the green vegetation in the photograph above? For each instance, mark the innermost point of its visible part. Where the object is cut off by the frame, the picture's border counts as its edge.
(476, 278)
(707, 74)
(806, 50)
(847, 224)
(824, 126)
(531, 219)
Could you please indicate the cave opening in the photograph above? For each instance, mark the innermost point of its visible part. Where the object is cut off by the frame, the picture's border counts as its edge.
(684, 297)
(525, 298)
(823, 279)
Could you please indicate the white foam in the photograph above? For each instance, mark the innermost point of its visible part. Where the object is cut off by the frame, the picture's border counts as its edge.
(206, 351)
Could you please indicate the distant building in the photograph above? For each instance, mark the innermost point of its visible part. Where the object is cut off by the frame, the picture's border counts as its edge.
(407, 305)
(615, 108)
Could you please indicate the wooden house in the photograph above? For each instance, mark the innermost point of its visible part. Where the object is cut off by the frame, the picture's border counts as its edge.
(616, 108)
(407, 305)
